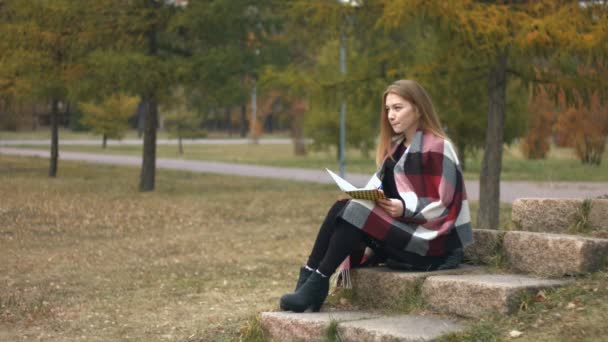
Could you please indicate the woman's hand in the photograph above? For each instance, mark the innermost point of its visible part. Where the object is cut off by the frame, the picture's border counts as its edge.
(393, 207)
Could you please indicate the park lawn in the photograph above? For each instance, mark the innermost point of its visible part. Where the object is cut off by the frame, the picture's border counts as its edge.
(86, 256)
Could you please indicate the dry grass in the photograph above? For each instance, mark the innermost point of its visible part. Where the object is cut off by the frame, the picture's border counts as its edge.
(577, 312)
(86, 255)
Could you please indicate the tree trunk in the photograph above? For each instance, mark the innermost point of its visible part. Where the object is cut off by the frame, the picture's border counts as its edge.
(104, 141)
(463, 157)
(299, 146)
(141, 114)
(148, 167)
(244, 127)
(489, 179)
(68, 115)
(228, 118)
(54, 138)
(181, 147)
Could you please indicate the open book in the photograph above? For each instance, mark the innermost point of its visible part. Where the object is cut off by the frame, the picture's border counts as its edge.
(368, 193)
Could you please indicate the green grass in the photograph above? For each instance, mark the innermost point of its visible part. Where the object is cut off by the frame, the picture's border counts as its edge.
(560, 165)
(87, 255)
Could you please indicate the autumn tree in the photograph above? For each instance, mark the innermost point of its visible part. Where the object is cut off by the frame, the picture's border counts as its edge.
(315, 32)
(541, 111)
(140, 54)
(228, 44)
(44, 43)
(181, 121)
(110, 117)
(504, 39)
(583, 123)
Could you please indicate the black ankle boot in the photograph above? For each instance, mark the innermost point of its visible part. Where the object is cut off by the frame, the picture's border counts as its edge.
(304, 274)
(310, 295)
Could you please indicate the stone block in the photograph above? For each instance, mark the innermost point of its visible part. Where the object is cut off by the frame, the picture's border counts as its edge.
(475, 295)
(598, 215)
(308, 326)
(397, 328)
(554, 255)
(486, 246)
(382, 288)
(555, 215)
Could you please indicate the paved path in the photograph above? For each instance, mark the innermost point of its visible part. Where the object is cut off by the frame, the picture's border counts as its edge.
(97, 142)
(510, 190)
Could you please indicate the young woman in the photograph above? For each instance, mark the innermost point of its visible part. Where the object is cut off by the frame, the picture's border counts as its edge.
(423, 225)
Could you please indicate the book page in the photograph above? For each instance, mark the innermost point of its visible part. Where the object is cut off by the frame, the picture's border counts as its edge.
(342, 183)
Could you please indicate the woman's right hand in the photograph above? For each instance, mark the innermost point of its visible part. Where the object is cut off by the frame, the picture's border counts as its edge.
(392, 206)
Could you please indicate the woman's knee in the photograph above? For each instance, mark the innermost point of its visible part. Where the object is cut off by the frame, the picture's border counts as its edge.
(337, 207)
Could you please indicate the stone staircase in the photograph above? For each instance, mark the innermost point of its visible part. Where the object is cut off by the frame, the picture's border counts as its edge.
(537, 257)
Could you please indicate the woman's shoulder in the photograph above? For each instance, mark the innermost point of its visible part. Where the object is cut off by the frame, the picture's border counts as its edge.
(435, 143)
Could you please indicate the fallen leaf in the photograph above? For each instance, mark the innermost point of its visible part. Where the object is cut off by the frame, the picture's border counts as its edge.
(515, 333)
(540, 296)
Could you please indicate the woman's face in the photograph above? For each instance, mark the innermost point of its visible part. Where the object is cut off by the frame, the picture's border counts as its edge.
(402, 115)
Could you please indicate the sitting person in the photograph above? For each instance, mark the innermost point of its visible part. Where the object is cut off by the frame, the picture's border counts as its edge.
(423, 225)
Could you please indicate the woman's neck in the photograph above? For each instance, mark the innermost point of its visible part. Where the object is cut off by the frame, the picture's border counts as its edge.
(409, 136)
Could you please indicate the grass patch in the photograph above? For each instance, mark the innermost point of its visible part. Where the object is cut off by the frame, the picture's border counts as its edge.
(581, 221)
(410, 300)
(504, 215)
(253, 331)
(576, 312)
(331, 334)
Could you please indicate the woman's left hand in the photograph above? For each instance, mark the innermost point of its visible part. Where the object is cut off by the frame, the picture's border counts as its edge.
(393, 207)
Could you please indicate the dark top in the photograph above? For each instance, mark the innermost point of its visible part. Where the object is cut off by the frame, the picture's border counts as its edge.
(388, 180)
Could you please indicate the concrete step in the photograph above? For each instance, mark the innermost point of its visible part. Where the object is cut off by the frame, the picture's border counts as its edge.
(559, 215)
(554, 255)
(355, 326)
(475, 295)
(544, 254)
(383, 288)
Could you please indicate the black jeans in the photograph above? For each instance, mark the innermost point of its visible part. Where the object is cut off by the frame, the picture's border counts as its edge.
(338, 239)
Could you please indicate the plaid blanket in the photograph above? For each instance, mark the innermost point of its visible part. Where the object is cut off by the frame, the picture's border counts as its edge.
(436, 218)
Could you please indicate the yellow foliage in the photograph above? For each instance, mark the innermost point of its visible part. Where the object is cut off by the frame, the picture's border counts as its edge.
(110, 116)
(488, 26)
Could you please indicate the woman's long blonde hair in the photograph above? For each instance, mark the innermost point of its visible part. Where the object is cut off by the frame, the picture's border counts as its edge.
(420, 99)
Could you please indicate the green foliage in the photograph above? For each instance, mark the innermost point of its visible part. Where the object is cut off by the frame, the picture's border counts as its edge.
(109, 117)
(331, 333)
(182, 122)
